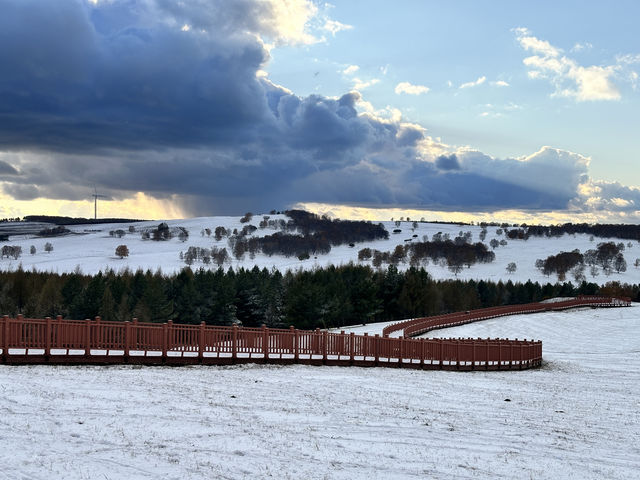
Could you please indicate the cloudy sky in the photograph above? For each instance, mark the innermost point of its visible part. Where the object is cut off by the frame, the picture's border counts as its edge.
(456, 110)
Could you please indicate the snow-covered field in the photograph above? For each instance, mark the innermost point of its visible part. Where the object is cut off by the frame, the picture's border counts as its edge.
(92, 250)
(575, 418)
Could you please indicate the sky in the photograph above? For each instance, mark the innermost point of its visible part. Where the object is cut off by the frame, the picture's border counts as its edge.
(461, 110)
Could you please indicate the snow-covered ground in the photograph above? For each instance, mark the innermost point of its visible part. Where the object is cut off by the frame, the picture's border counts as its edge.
(575, 418)
(92, 250)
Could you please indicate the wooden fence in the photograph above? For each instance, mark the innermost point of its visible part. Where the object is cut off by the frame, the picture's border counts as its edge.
(418, 326)
(58, 341)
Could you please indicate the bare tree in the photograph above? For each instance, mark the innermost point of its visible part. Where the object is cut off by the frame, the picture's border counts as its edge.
(48, 247)
(512, 267)
(620, 264)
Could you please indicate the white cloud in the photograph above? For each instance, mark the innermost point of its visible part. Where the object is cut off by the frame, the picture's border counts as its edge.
(479, 81)
(333, 26)
(289, 21)
(581, 46)
(628, 59)
(410, 89)
(569, 78)
(500, 83)
(351, 69)
(362, 84)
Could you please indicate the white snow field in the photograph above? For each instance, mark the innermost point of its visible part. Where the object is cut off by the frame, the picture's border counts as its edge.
(575, 418)
(92, 249)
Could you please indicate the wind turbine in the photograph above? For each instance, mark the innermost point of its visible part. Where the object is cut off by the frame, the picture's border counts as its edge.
(95, 202)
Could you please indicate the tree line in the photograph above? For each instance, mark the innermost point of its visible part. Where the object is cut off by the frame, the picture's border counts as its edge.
(322, 298)
(621, 231)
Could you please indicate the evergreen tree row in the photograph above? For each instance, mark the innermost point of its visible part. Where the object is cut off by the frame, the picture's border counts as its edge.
(328, 297)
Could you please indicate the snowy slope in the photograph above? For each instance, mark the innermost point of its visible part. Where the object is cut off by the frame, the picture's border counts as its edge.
(91, 249)
(575, 418)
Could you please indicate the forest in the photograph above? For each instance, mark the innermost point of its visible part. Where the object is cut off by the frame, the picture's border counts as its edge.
(322, 298)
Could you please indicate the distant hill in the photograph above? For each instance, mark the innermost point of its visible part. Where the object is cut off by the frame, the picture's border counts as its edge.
(77, 220)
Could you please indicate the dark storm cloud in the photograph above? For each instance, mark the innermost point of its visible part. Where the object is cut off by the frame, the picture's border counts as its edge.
(6, 169)
(121, 96)
(77, 78)
(448, 162)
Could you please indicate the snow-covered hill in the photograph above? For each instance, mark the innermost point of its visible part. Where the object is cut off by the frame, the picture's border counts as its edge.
(575, 418)
(92, 249)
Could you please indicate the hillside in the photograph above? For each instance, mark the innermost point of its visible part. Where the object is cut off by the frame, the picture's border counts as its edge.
(91, 248)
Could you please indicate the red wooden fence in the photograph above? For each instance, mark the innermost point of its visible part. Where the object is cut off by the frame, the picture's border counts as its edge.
(418, 326)
(59, 341)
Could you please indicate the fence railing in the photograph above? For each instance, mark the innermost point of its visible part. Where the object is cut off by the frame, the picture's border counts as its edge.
(418, 326)
(27, 340)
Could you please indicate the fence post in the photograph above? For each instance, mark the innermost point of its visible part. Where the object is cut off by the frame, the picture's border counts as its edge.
(440, 355)
(325, 346)
(47, 339)
(165, 340)
(473, 355)
(401, 353)
(365, 349)
(352, 346)
(127, 340)
(56, 333)
(422, 344)
(296, 344)
(201, 342)
(135, 336)
(87, 337)
(376, 349)
(265, 343)
(486, 363)
(510, 355)
(234, 343)
(5, 338)
(98, 331)
(521, 360)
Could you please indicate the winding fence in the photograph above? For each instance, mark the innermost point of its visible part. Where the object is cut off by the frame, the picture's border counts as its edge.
(58, 341)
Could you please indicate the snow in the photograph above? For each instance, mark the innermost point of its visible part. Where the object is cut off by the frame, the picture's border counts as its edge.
(91, 250)
(575, 418)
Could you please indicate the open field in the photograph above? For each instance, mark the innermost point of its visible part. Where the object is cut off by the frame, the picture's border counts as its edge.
(576, 417)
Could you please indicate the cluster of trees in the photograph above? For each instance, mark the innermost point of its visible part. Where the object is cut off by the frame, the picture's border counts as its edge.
(607, 255)
(280, 244)
(303, 235)
(330, 297)
(560, 264)
(453, 253)
(625, 232)
(205, 255)
(15, 251)
(337, 232)
(162, 233)
(11, 251)
(53, 232)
